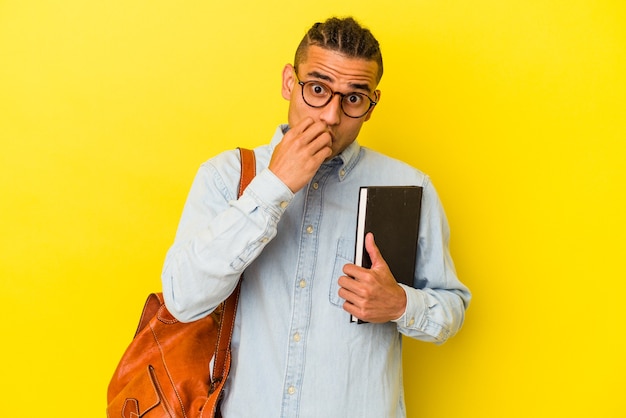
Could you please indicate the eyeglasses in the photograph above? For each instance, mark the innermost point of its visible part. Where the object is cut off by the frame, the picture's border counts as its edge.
(317, 94)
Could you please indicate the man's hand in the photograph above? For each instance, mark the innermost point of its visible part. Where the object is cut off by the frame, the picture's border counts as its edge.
(301, 152)
(372, 295)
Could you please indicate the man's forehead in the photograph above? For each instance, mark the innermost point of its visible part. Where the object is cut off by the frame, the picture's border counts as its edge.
(330, 65)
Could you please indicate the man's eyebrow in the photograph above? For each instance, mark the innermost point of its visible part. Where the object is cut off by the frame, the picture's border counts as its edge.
(356, 86)
(319, 75)
(359, 86)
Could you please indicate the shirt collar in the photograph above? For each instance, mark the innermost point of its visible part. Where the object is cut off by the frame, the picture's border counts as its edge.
(343, 162)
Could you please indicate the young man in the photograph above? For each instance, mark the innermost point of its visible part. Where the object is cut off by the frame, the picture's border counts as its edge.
(295, 351)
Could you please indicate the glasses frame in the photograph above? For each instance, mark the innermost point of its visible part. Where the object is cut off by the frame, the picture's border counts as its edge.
(332, 96)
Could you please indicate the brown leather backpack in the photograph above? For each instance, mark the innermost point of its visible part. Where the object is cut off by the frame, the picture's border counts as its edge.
(165, 371)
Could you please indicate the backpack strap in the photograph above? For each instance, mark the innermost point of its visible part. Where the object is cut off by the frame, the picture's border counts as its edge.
(221, 364)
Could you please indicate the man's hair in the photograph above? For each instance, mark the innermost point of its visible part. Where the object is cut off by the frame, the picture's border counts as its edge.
(345, 36)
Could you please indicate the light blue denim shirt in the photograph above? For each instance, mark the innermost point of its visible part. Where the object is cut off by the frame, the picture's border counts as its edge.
(295, 351)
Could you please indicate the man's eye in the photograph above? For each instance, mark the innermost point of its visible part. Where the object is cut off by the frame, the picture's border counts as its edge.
(354, 99)
(318, 89)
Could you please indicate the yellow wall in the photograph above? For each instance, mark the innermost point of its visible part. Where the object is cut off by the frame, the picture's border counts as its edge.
(515, 108)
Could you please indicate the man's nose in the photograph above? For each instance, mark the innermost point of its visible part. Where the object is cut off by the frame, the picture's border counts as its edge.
(331, 113)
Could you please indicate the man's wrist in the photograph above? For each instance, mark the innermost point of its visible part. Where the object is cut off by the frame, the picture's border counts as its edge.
(404, 306)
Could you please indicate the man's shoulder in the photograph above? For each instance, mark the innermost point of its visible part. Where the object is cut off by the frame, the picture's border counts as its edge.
(387, 165)
(228, 160)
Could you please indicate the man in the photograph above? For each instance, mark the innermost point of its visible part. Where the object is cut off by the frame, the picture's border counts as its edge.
(295, 351)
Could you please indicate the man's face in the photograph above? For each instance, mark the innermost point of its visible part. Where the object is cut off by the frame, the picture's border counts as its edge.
(342, 75)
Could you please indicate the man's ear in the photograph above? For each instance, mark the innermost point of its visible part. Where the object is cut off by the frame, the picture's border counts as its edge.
(369, 114)
(288, 81)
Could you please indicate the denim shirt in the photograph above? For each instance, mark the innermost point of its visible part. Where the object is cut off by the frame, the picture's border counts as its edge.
(295, 351)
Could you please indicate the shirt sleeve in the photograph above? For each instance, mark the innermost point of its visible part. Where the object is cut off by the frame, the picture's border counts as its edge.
(218, 236)
(436, 306)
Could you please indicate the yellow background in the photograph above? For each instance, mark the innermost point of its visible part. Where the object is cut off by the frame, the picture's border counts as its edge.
(515, 108)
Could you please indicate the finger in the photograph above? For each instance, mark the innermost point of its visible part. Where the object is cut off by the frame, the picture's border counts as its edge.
(307, 131)
(348, 283)
(373, 251)
(322, 144)
(352, 270)
(301, 133)
(301, 126)
(349, 295)
(320, 137)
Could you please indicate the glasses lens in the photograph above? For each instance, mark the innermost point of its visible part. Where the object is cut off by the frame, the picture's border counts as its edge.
(355, 105)
(316, 94)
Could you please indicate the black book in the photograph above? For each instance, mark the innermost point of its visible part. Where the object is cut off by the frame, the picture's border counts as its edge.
(392, 214)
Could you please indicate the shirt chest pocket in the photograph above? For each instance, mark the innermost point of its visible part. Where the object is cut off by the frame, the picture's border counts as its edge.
(344, 255)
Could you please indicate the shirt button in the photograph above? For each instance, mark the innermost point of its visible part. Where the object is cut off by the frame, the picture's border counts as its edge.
(264, 240)
(309, 229)
(411, 322)
(296, 337)
(342, 172)
(302, 283)
(291, 390)
(316, 185)
(283, 204)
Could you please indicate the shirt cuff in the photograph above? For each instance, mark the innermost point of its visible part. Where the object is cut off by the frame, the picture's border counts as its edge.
(270, 193)
(414, 308)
